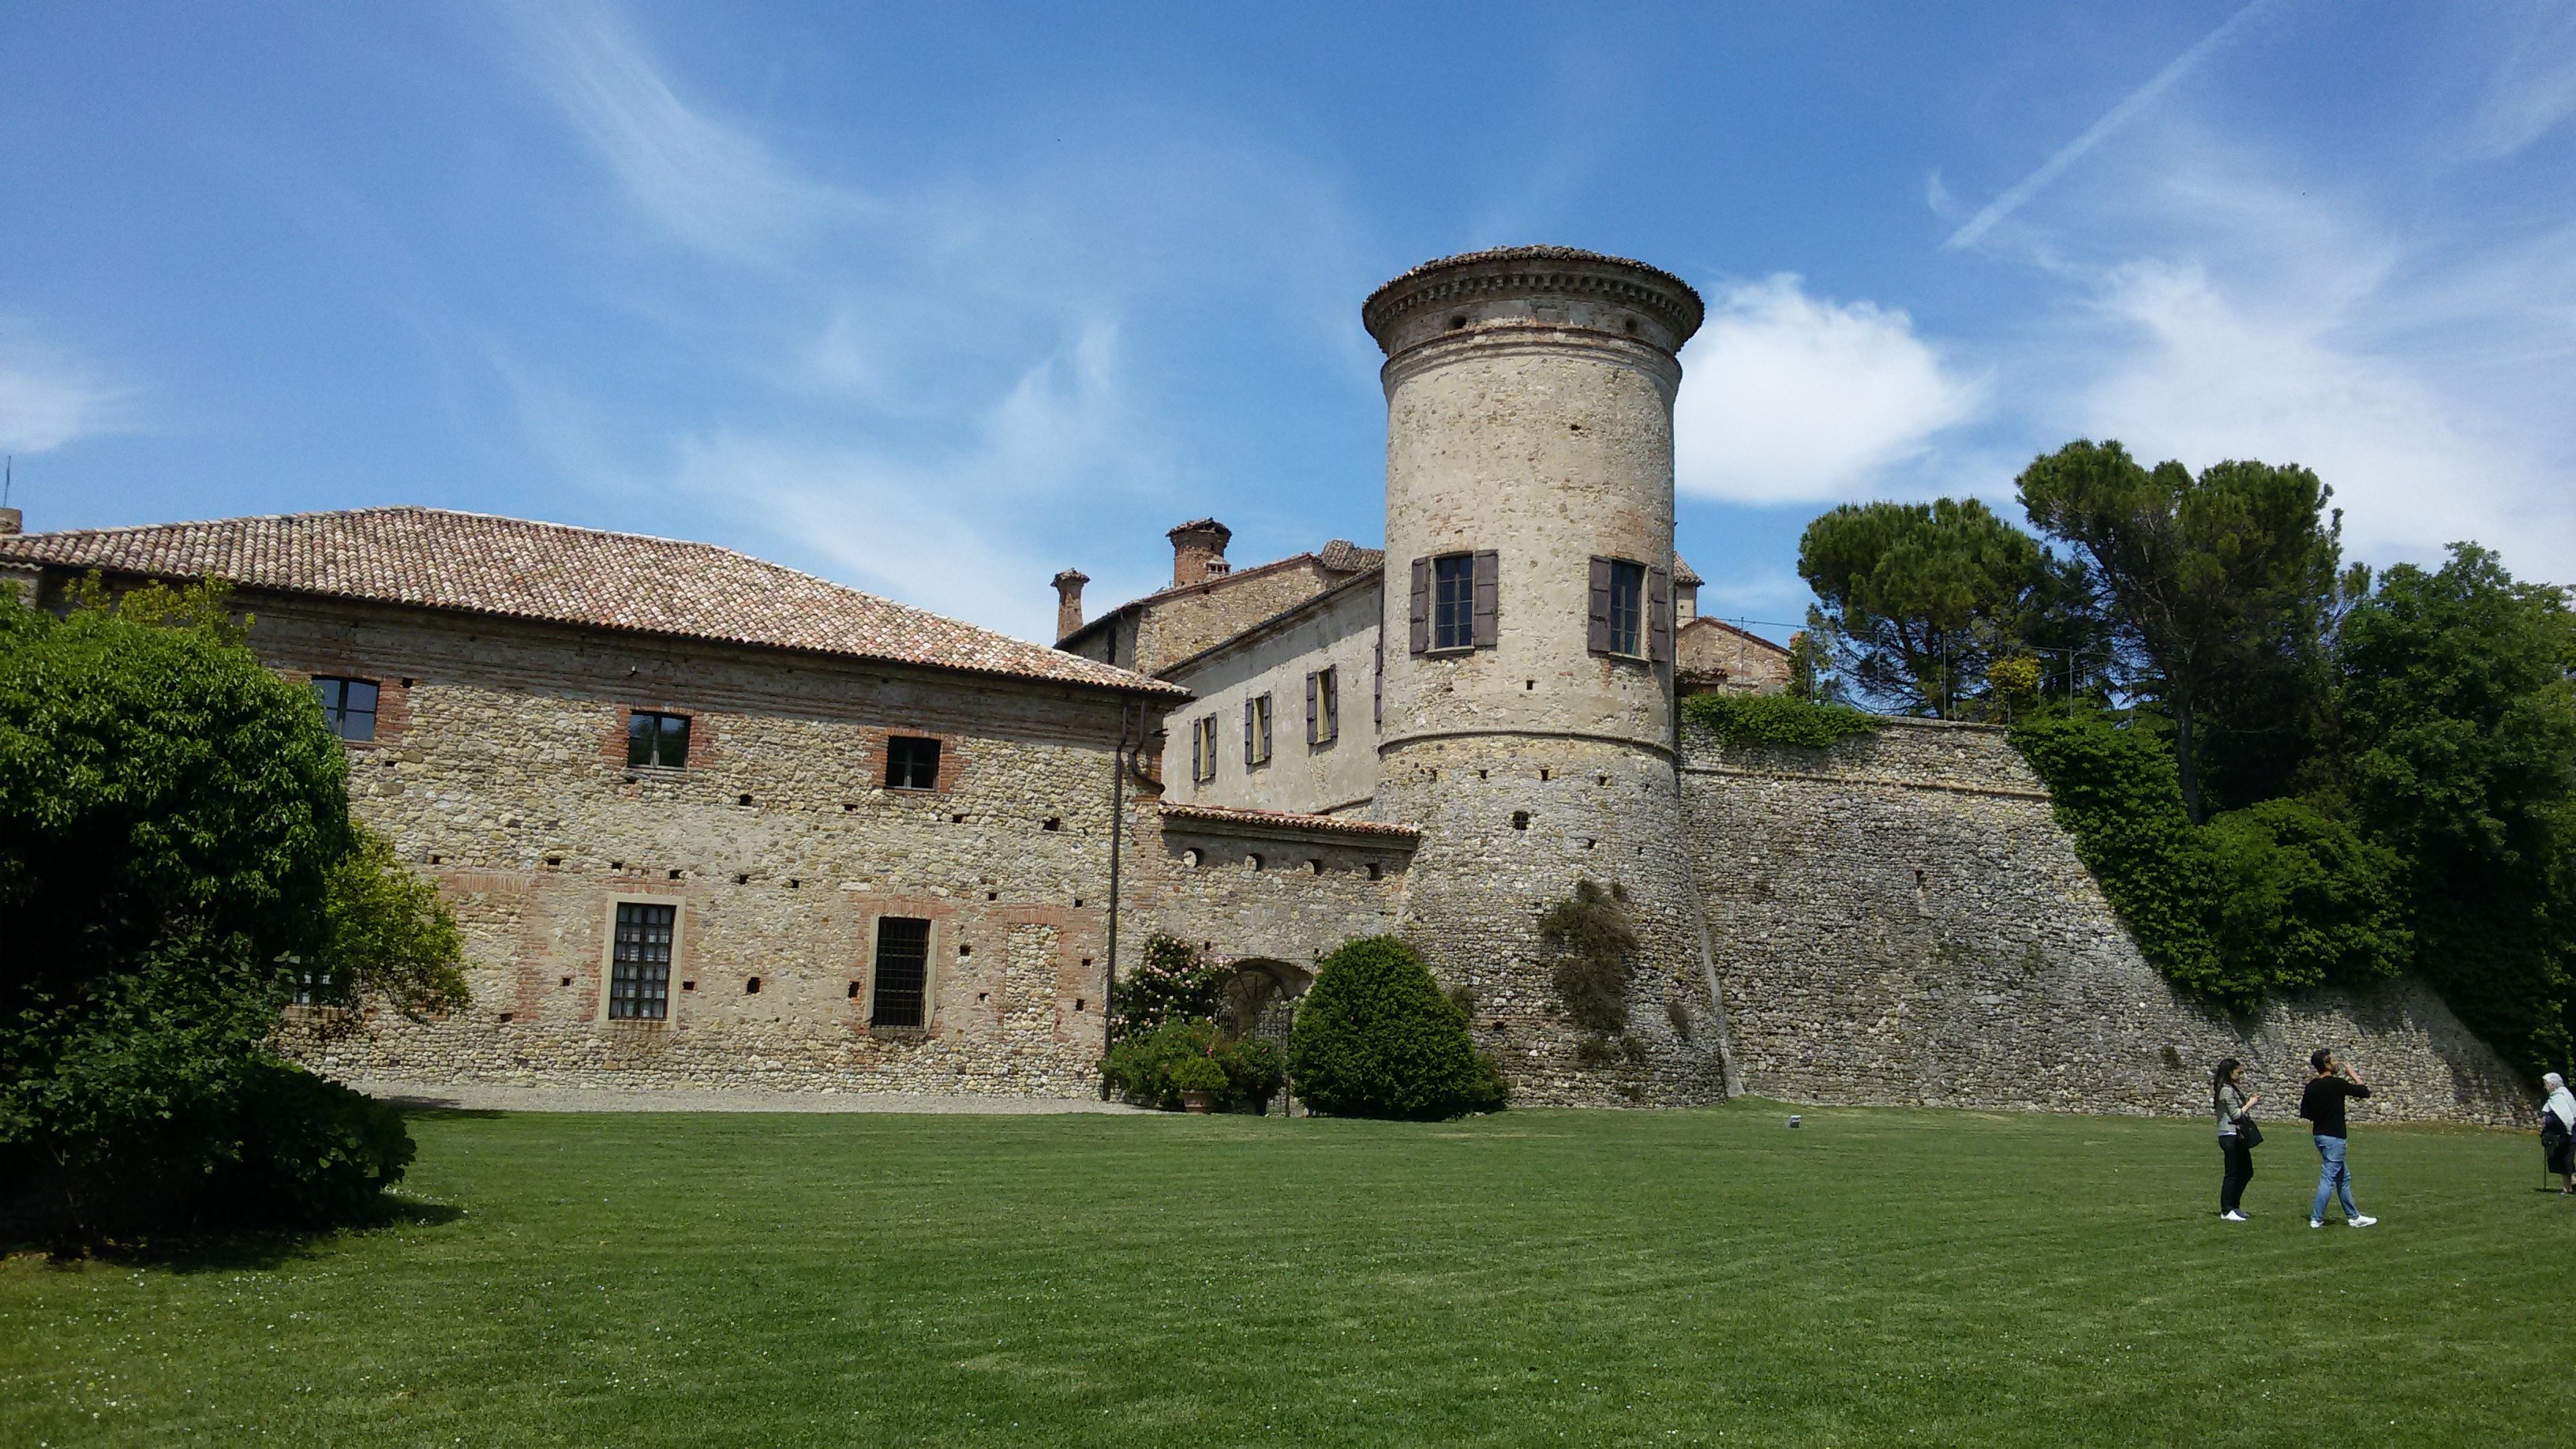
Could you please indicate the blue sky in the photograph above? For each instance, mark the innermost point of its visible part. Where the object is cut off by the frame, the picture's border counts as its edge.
(935, 300)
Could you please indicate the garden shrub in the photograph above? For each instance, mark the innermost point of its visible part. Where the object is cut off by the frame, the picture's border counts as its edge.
(1596, 946)
(1195, 1074)
(1776, 719)
(1374, 1037)
(1143, 1069)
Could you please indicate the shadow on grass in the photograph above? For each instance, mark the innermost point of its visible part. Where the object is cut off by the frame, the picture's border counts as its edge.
(440, 1109)
(209, 1251)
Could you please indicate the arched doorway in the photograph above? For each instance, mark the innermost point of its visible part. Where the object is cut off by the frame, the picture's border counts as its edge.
(1261, 1002)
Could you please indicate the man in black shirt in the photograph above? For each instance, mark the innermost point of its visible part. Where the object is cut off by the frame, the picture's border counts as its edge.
(2322, 1104)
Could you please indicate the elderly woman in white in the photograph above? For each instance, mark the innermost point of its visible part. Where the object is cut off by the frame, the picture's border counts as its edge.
(2558, 1131)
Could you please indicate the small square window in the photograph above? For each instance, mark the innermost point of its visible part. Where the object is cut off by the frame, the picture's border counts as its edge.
(912, 763)
(657, 741)
(348, 706)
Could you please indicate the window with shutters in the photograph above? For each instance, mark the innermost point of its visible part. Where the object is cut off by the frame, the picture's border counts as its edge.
(348, 707)
(1323, 706)
(1627, 607)
(1203, 749)
(902, 975)
(657, 741)
(639, 965)
(1631, 610)
(912, 763)
(1256, 731)
(1453, 601)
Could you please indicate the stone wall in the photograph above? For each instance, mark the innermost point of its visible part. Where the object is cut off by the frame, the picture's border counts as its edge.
(1710, 654)
(1900, 919)
(499, 771)
(1509, 826)
(1246, 890)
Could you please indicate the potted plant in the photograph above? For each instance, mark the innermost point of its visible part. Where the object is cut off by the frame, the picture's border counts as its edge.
(1199, 1082)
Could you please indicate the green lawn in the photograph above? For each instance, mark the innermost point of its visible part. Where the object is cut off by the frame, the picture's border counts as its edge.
(1533, 1277)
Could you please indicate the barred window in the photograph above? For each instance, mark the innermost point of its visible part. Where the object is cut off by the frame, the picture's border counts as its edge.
(912, 763)
(348, 706)
(639, 973)
(658, 741)
(902, 971)
(312, 987)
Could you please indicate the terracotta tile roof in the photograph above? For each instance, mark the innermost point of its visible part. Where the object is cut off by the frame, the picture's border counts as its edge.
(1684, 574)
(1288, 820)
(1345, 557)
(477, 563)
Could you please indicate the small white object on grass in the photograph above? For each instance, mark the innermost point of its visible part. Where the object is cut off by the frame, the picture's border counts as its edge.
(1794, 1119)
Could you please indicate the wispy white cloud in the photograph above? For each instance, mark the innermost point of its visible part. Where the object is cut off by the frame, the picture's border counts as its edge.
(924, 389)
(2534, 89)
(709, 182)
(1787, 397)
(48, 399)
(2112, 120)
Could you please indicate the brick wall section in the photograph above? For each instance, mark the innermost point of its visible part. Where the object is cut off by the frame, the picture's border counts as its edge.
(1173, 627)
(498, 784)
(1709, 654)
(1900, 919)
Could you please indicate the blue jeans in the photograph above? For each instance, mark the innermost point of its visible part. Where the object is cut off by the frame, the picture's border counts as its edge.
(2332, 1179)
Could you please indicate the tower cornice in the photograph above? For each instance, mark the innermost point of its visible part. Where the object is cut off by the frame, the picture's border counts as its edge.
(1505, 275)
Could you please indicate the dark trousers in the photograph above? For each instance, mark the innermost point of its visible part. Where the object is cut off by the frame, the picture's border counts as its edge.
(2240, 1171)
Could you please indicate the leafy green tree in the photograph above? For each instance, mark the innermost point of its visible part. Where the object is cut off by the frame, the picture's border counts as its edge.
(2221, 588)
(171, 820)
(387, 936)
(1916, 599)
(1374, 1037)
(2459, 721)
(2304, 900)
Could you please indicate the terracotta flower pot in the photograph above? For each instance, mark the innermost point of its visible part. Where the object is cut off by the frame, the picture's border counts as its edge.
(1198, 1101)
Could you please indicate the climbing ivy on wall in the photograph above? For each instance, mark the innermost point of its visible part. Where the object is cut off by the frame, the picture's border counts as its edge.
(1776, 719)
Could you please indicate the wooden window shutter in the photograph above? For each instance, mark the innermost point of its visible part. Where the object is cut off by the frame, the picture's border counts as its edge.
(1198, 752)
(1421, 606)
(1247, 734)
(1487, 564)
(1659, 603)
(1597, 636)
(1314, 716)
(1377, 686)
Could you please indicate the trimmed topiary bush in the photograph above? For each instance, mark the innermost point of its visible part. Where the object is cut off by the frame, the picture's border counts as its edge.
(1375, 1038)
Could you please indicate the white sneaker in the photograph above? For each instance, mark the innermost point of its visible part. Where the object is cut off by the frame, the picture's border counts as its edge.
(2234, 1217)
(2360, 1222)
(2316, 1222)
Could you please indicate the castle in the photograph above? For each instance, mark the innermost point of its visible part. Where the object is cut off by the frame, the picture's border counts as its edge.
(707, 821)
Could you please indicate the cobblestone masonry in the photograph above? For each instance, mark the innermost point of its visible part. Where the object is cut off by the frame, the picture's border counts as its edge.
(1900, 919)
(499, 771)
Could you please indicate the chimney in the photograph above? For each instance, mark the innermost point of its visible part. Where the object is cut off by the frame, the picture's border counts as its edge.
(11, 521)
(1068, 602)
(1198, 551)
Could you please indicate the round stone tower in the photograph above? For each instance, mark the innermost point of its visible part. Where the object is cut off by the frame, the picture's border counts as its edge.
(1527, 723)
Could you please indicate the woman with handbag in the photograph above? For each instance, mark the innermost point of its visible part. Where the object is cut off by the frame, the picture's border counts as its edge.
(2558, 1131)
(2237, 1136)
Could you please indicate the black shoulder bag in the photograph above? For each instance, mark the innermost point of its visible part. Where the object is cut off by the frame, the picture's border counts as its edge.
(2248, 1136)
